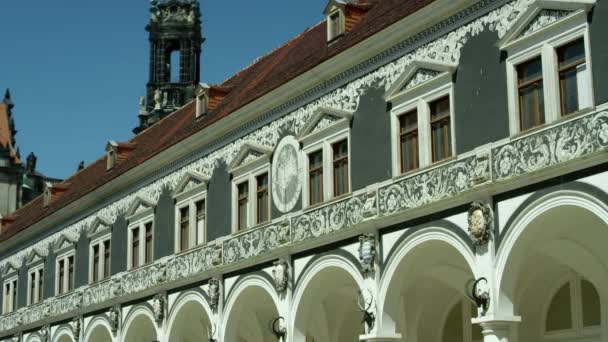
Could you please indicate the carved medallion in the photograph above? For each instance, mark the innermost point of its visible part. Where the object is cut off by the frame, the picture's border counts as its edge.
(115, 319)
(159, 305)
(280, 274)
(367, 252)
(286, 178)
(214, 293)
(480, 218)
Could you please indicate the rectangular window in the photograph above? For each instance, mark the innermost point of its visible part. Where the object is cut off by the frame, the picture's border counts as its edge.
(408, 140)
(6, 299)
(571, 59)
(96, 263)
(40, 284)
(530, 92)
(134, 247)
(184, 227)
(200, 221)
(263, 207)
(148, 247)
(70, 286)
(106, 259)
(33, 282)
(61, 280)
(334, 25)
(243, 194)
(441, 144)
(315, 177)
(14, 298)
(340, 162)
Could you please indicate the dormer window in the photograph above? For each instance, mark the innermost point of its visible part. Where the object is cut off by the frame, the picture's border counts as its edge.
(110, 159)
(335, 24)
(117, 152)
(202, 104)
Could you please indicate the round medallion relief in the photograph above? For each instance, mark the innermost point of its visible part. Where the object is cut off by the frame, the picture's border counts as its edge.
(286, 177)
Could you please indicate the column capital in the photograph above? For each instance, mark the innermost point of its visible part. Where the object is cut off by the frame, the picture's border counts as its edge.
(497, 328)
(380, 338)
(497, 321)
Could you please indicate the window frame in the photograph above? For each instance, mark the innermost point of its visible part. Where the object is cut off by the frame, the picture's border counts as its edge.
(38, 292)
(100, 242)
(141, 253)
(331, 35)
(194, 239)
(418, 99)
(13, 282)
(250, 177)
(66, 286)
(544, 43)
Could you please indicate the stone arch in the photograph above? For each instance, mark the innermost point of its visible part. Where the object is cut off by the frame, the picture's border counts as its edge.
(190, 309)
(139, 325)
(427, 269)
(563, 233)
(98, 330)
(34, 337)
(325, 302)
(250, 309)
(63, 334)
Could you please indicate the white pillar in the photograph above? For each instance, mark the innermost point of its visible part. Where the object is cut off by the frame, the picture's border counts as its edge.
(498, 329)
(385, 338)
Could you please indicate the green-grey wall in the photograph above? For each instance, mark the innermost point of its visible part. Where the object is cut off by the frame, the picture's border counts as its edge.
(480, 94)
(164, 221)
(599, 50)
(370, 140)
(82, 261)
(49, 275)
(118, 245)
(22, 287)
(218, 203)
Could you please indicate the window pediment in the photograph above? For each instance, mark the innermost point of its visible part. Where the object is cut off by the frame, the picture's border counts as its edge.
(66, 241)
(418, 74)
(191, 180)
(323, 119)
(35, 255)
(100, 224)
(139, 205)
(10, 268)
(250, 154)
(541, 14)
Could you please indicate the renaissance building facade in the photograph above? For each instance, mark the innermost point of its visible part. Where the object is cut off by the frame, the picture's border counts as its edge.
(401, 171)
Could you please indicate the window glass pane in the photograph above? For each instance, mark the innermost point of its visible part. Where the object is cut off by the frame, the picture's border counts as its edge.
(184, 226)
(40, 284)
(243, 193)
(148, 248)
(135, 247)
(200, 221)
(61, 277)
(592, 315)
(340, 156)
(262, 198)
(531, 98)
(559, 316)
(408, 133)
(32, 287)
(70, 273)
(571, 59)
(440, 129)
(14, 305)
(452, 329)
(106, 259)
(571, 53)
(95, 269)
(530, 71)
(315, 174)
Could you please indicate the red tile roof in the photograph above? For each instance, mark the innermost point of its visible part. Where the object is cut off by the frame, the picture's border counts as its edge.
(292, 59)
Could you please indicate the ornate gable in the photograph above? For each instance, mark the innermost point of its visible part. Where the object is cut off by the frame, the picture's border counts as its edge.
(100, 224)
(139, 204)
(65, 240)
(10, 267)
(190, 181)
(249, 153)
(322, 119)
(541, 14)
(418, 73)
(35, 255)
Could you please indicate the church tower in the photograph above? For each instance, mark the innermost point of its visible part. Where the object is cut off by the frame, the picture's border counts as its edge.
(175, 49)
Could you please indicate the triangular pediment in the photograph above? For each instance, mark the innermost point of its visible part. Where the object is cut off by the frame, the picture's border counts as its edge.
(542, 14)
(249, 153)
(418, 73)
(139, 204)
(323, 118)
(190, 181)
(10, 267)
(66, 240)
(35, 255)
(100, 224)
(332, 5)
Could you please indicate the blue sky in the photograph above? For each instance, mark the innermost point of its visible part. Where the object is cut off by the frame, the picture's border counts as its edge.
(76, 68)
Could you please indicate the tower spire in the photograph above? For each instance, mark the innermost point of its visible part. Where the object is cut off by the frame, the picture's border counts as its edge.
(175, 49)
(7, 99)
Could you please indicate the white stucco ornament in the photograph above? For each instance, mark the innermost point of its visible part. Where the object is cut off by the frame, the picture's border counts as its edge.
(286, 176)
(480, 222)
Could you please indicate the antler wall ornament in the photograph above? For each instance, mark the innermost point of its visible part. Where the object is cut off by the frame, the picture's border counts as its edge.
(365, 306)
(480, 296)
(279, 329)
